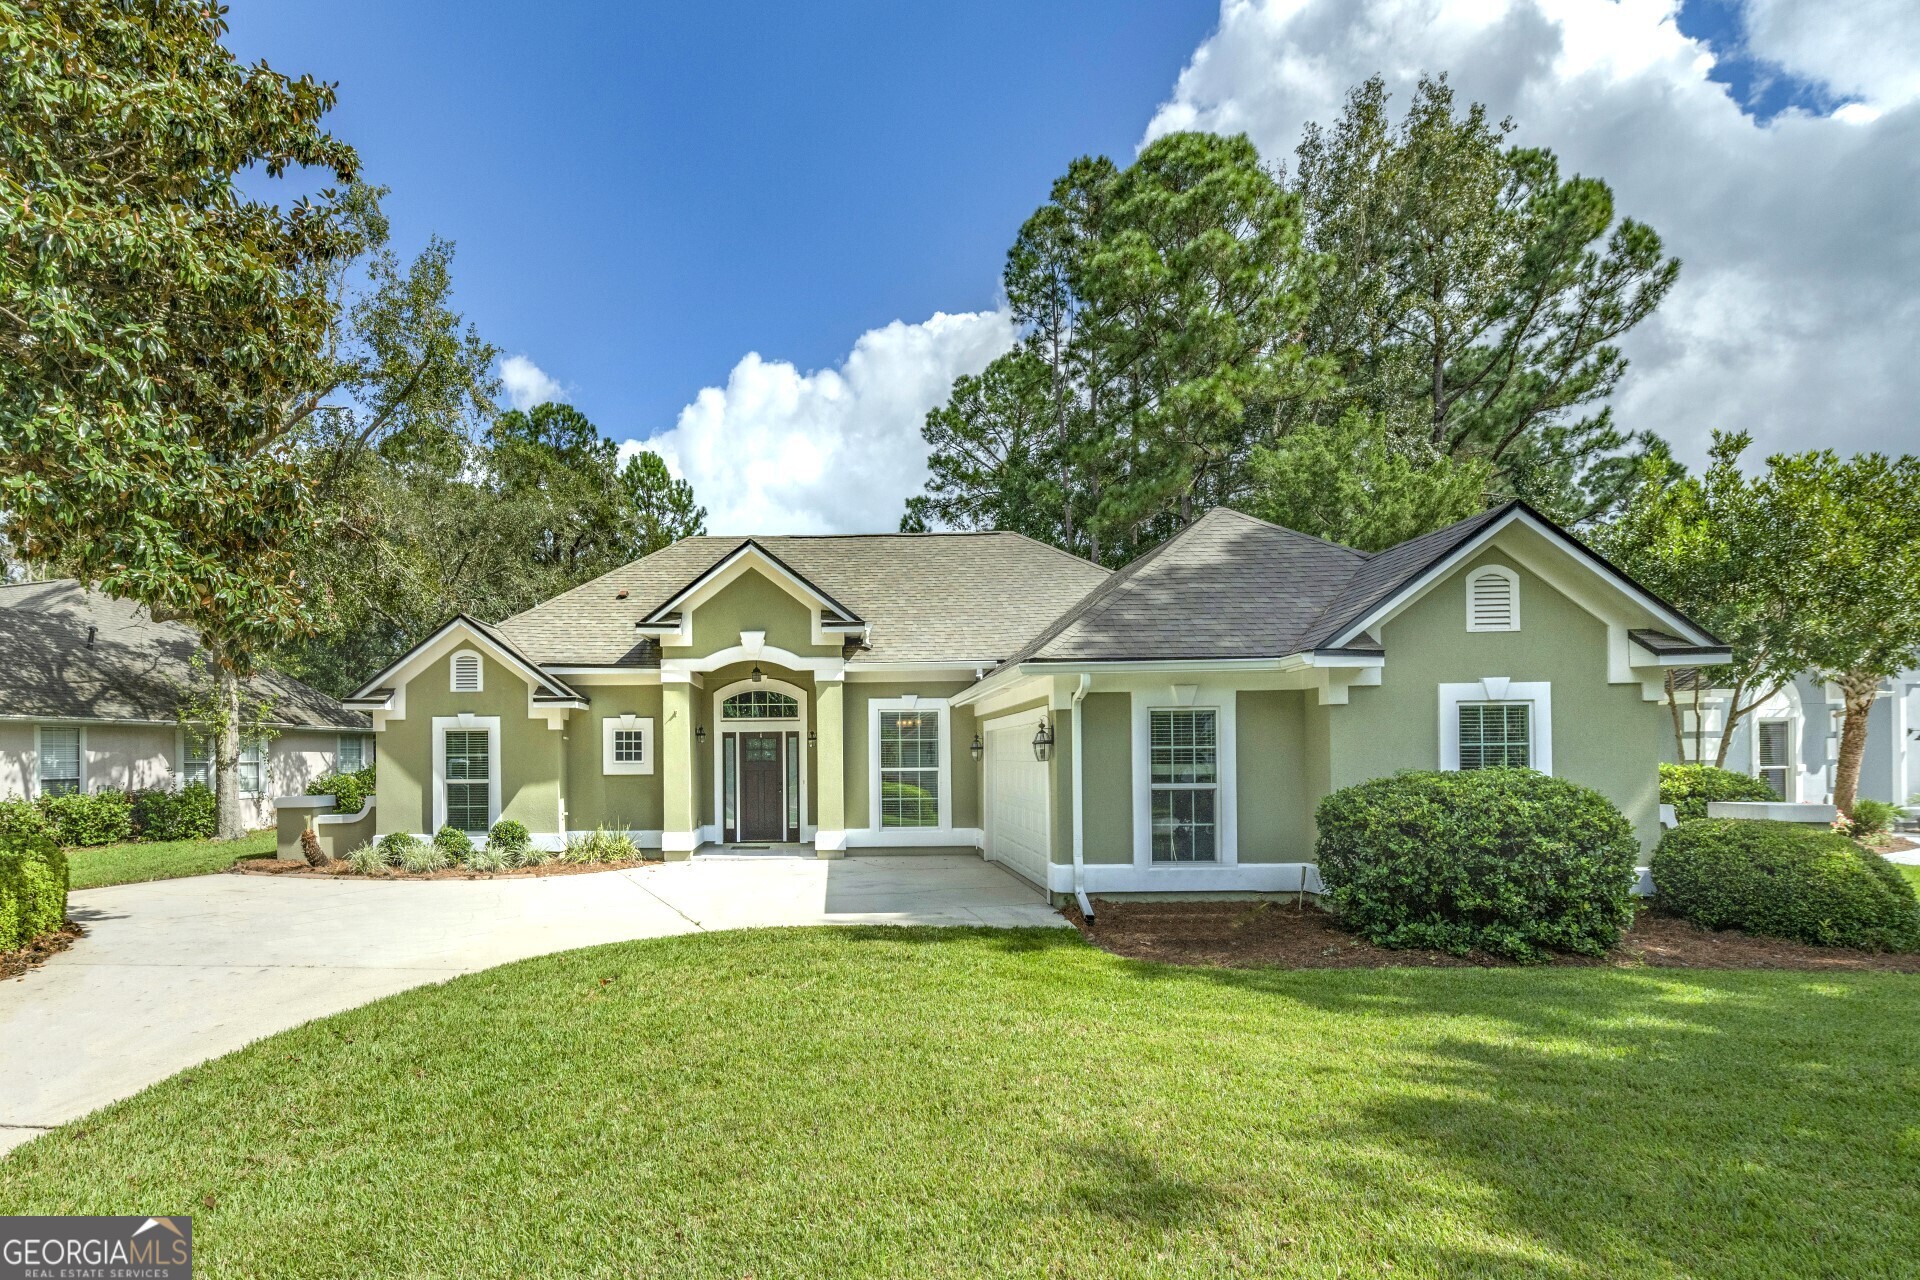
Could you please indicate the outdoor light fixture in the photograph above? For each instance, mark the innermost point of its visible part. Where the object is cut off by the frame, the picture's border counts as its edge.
(700, 734)
(978, 748)
(1043, 741)
(758, 675)
(811, 737)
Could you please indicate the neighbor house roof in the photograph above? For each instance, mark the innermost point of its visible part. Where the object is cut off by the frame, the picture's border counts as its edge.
(72, 654)
(1231, 586)
(926, 597)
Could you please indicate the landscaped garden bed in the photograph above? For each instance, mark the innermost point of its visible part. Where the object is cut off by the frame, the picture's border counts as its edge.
(507, 850)
(342, 869)
(1251, 935)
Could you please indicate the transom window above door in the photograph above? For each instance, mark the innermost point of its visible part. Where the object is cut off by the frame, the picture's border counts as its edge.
(760, 704)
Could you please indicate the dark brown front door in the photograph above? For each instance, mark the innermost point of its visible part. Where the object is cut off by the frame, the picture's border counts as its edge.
(763, 810)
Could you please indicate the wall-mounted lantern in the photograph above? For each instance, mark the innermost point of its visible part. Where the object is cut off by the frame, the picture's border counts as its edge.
(1043, 741)
(758, 675)
(700, 734)
(978, 748)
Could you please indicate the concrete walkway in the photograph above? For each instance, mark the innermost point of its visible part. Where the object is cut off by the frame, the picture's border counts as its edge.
(174, 972)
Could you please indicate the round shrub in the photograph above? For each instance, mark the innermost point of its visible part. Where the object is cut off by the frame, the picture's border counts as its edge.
(89, 818)
(349, 790)
(453, 843)
(187, 814)
(397, 846)
(1690, 788)
(33, 888)
(508, 837)
(1785, 880)
(23, 820)
(1504, 860)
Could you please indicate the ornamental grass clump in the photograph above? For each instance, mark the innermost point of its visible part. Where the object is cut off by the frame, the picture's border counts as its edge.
(1785, 880)
(486, 857)
(368, 860)
(1507, 861)
(600, 845)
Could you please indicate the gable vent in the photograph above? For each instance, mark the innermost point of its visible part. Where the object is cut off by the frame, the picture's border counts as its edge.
(1493, 600)
(466, 672)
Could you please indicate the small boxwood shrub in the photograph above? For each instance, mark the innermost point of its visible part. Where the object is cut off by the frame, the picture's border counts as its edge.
(397, 846)
(453, 843)
(89, 819)
(1785, 880)
(33, 888)
(1504, 860)
(1690, 788)
(508, 837)
(187, 814)
(349, 790)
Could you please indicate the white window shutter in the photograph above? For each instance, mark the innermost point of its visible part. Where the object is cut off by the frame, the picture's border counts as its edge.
(1493, 600)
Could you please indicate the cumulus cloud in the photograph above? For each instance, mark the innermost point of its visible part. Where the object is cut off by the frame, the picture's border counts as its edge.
(832, 451)
(1797, 315)
(527, 384)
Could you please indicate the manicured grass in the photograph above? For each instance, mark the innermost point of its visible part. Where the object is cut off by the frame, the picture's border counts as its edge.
(1911, 873)
(161, 860)
(944, 1103)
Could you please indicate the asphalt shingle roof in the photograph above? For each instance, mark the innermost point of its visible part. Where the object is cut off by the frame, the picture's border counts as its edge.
(960, 597)
(135, 669)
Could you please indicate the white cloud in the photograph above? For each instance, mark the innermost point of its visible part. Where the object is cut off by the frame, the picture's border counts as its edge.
(832, 451)
(1797, 315)
(527, 384)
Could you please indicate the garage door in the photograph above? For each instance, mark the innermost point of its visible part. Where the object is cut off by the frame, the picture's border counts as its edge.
(1017, 832)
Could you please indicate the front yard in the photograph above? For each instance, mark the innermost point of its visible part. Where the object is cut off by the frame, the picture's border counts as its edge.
(162, 859)
(881, 1102)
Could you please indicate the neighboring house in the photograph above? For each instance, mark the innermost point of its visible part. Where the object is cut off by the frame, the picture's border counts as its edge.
(90, 692)
(1792, 740)
(1170, 726)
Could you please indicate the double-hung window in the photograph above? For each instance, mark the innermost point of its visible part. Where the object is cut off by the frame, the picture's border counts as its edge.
(1185, 752)
(198, 765)
(353, 755)
(1775, 754)
(467, 780)
(910, 768)
(1496, 734)
(59, 761)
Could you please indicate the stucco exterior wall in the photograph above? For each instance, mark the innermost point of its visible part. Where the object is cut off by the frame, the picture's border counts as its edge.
(1606, 736)
(1106, 818)
(595, 798)
(1274, 797)
(752, 602)
(16, 758)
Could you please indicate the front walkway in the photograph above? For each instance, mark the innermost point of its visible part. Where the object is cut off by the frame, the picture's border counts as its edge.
(174, 972)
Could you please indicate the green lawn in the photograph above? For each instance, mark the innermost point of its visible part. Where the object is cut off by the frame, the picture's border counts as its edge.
(1911, 873)
(942, 1103)
(161, 860)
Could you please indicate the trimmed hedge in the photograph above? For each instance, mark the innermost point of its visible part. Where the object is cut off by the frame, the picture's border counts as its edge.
(33, 889)
(23, 820)
(1504, 860)
(453, 844)
(349, 790)
(187, 814)
(1785, 880)
(89, 818)
(1689, 788)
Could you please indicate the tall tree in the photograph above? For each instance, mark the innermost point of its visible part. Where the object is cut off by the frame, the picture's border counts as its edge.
(1361, 485)
(1476, 296)
(661, 510)
(157, 327)
(1158, 305)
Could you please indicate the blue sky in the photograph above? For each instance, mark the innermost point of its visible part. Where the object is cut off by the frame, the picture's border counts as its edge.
(765, 238)
(642, 193)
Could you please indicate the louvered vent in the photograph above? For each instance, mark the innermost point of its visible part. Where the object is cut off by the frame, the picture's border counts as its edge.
(466, 673)
(1493, 601)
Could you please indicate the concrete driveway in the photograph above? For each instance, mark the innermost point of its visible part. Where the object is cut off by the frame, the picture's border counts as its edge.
(174, 972)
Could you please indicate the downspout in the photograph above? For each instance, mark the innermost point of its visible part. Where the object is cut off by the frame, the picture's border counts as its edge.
(1079, 775)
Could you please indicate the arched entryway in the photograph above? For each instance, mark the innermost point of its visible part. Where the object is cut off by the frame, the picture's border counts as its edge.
(760, 761)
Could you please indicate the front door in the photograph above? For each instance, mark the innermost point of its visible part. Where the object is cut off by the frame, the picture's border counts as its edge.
(763, 809)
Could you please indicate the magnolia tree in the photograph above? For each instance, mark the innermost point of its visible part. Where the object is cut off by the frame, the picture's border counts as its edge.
(159, 331)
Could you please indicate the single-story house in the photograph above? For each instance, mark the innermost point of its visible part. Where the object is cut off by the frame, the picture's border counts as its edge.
(1168, 727)
(1791, 741)
(91, 689)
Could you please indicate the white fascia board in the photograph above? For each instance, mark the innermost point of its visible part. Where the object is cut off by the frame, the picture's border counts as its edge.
(725, 571)
(429, 649)
(608, 675)
(1393, 603)
(866, 670)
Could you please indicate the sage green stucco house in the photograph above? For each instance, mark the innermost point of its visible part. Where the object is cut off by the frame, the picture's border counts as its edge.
(1166, 728)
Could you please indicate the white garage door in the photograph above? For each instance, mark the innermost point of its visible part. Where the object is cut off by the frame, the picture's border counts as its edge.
(1017, 832)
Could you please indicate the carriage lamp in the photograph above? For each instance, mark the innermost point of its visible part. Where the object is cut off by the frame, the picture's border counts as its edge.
(978, 749)
(1043, 741)
(700, 734)
(758, 675)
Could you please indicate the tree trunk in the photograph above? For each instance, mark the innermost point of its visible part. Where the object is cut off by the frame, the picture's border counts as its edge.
(1679, 727)
(226, 754)
(1858, 689)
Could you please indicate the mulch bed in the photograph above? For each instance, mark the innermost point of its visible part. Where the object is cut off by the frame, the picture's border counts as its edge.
(340, 870)
(1258, 935)
(37, 952)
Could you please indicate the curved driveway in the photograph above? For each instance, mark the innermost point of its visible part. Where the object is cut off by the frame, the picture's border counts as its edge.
(174, 972)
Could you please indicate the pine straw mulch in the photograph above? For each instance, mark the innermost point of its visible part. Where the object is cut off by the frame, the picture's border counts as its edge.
(1255, 935)
(39, 951)
(341, 870)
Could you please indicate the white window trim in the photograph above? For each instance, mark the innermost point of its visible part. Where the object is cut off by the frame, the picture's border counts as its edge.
(39, 755)
(263, 746)
(723, 725)
(1226, 809)
(491, 726)
(339, 750)
(1499, 689)
(911, 702)
(609, 725)
(1512, 580)
(453, 671)
(1790, 793)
